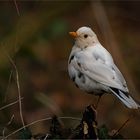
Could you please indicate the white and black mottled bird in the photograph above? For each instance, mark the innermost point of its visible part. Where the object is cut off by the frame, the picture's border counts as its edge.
(92, 68)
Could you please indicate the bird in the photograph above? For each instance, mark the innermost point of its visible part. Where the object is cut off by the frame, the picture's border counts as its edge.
(91, 67)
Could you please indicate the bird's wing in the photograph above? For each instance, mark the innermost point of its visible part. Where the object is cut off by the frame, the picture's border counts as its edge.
(120, 76)
(99, 71)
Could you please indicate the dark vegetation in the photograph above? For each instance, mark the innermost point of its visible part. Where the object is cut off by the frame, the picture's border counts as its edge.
(87, 129)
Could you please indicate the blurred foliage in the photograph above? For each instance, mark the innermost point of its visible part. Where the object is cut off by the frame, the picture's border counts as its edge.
(25, 134)
(104, 133)
(87, 129)
(39, 44)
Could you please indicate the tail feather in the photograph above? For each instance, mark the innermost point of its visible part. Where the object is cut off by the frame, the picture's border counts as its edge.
(125, 98)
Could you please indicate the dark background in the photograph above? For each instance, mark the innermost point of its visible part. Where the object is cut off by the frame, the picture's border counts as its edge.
(37, 40)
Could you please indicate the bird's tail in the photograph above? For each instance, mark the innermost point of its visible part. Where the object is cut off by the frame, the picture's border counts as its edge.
(125, 98)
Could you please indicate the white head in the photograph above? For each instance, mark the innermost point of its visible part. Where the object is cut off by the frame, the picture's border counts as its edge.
(84, 37)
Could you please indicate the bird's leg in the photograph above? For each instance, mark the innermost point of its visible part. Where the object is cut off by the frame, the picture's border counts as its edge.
(99, 98)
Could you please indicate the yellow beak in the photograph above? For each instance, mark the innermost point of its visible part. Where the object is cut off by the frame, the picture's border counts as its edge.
(73, 34)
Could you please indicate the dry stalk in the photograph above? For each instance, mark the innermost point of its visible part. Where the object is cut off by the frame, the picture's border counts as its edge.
(16, 5)
(46, 136)
(3, 132)
(18, 88)
(10, 104)
(123, 125)
(9, 80)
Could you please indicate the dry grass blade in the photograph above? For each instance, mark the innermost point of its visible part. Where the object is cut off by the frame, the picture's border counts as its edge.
(18, 88)
(10, 104)
(16, 5)
(123, 125)
(46, 137)
(11, 119)
(11, 73)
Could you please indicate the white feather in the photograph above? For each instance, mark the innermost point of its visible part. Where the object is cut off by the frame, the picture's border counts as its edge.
(97, 67)
(128, 101)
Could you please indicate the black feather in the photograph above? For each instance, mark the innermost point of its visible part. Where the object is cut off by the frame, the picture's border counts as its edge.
(73, 78)
(71, 58)
(118, 92)
(81, 77)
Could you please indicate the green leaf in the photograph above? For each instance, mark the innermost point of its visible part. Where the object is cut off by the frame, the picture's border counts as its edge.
(103, 132)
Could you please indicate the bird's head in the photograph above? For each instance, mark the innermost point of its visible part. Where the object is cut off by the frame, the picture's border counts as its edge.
(84, 37)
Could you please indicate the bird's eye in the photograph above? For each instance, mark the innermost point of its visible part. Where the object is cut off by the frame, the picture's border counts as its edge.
(85, 36)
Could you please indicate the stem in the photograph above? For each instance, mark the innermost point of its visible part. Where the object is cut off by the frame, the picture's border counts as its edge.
(16, 5)
(18, 88)
(10, 104)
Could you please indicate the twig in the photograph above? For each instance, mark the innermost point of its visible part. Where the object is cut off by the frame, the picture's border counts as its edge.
(16, 5)
(122, 126)
(9, 80)
(41, 120)
(18, 88)
(18, 25)
(99, 99)
(11, 119)
(46, 136)
(10, 104)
